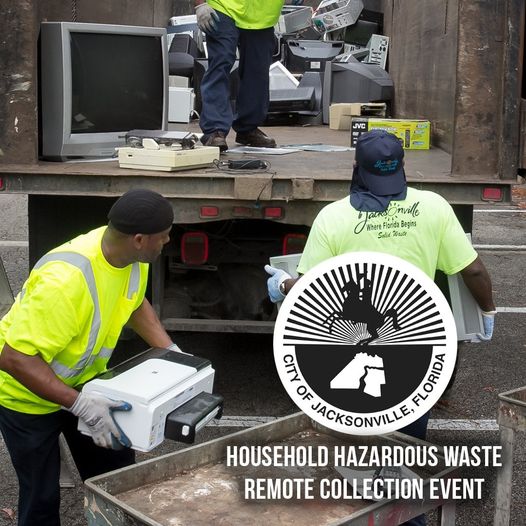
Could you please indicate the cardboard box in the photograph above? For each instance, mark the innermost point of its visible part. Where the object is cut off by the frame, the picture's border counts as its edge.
(413, 134)
(340, 113)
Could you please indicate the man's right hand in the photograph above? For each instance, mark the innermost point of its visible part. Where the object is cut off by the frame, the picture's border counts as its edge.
(97, 413)
(206, 18)
(277, 277)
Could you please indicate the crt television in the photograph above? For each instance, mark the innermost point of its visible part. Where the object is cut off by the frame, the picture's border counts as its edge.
(98, 81)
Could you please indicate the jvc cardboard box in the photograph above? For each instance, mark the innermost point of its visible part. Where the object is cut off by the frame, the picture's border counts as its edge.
(340, 113)
(413, 134)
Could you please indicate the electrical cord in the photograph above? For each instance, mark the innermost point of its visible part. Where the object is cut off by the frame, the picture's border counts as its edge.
(247, 166)
(243, 166)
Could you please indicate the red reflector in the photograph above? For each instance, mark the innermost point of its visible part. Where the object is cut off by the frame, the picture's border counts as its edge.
(492, 194)
(293, 243)
(209, 211)
(194, 248)
(273, 212)
(2, 187)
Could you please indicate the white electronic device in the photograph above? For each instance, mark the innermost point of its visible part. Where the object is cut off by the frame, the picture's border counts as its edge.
(156, 384)
(332, 15)
(378, 46)
(288, 263)
(167, 159)
(181, 103)
(467, 313)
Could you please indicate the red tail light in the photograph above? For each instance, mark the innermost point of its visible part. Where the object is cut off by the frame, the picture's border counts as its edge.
(209, 211)
(273, 212)
(293, 243)
(492, 194)
(194, 248)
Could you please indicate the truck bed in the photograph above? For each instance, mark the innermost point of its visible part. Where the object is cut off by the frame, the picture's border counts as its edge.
(319, 176)
(194, 486)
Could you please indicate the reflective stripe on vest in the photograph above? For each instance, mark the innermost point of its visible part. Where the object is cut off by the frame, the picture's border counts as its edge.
(84, 265)
(135, 278)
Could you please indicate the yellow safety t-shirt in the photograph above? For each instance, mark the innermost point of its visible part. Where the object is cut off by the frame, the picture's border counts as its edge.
(70, 312)
(250, 14)
(421, 229)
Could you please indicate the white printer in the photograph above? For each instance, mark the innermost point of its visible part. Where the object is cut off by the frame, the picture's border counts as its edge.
(170, 393)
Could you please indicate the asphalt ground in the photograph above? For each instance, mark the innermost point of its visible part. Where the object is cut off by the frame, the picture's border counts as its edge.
(246, 377)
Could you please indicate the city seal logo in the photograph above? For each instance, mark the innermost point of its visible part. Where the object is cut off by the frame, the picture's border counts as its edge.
(365, 343)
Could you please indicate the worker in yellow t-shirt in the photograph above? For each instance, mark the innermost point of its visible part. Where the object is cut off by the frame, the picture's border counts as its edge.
(60, 333)
(383, 215)
(230, 25)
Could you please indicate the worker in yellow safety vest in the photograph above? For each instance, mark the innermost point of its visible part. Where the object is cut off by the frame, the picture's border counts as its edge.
(247, 26)
(60, 333)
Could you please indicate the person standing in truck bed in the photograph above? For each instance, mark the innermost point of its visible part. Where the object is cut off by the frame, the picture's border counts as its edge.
(247, 25)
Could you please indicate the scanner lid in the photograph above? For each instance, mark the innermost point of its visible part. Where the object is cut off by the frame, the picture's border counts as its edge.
(143, 382)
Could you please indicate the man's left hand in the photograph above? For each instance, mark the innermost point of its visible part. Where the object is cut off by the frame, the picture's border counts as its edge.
(488, 321)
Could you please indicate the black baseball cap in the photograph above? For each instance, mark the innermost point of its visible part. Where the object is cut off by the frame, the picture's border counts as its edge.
(380, 159)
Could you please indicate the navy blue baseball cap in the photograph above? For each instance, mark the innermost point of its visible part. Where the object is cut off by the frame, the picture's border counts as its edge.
(380, 160)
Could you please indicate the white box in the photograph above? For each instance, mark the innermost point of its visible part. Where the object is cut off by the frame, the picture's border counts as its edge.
(167, 160)
(181, 103)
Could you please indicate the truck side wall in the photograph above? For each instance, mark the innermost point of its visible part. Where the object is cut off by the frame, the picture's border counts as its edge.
(20, 25)
(422, 56)
(457, 63)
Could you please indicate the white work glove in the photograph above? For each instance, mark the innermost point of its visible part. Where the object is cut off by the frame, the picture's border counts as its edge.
(277, 277)
(96, 412)
(488, 321)
(206, 18)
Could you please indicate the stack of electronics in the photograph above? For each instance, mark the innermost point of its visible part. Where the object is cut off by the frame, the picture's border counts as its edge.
(98, 81)
(186, 45)
(337, 39)
(338, 56)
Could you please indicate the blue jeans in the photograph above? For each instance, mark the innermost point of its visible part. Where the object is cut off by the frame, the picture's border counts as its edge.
(32, 442)
(256, 47)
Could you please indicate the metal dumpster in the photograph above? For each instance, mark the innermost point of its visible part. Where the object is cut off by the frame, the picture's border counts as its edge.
(511, 419)
(194, 486)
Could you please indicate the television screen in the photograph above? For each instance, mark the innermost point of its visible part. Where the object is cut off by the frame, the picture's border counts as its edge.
(116, 82)
(99, 81)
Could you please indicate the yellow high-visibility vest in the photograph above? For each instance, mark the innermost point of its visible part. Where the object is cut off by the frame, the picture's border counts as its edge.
(70, 312)
(250, 14)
